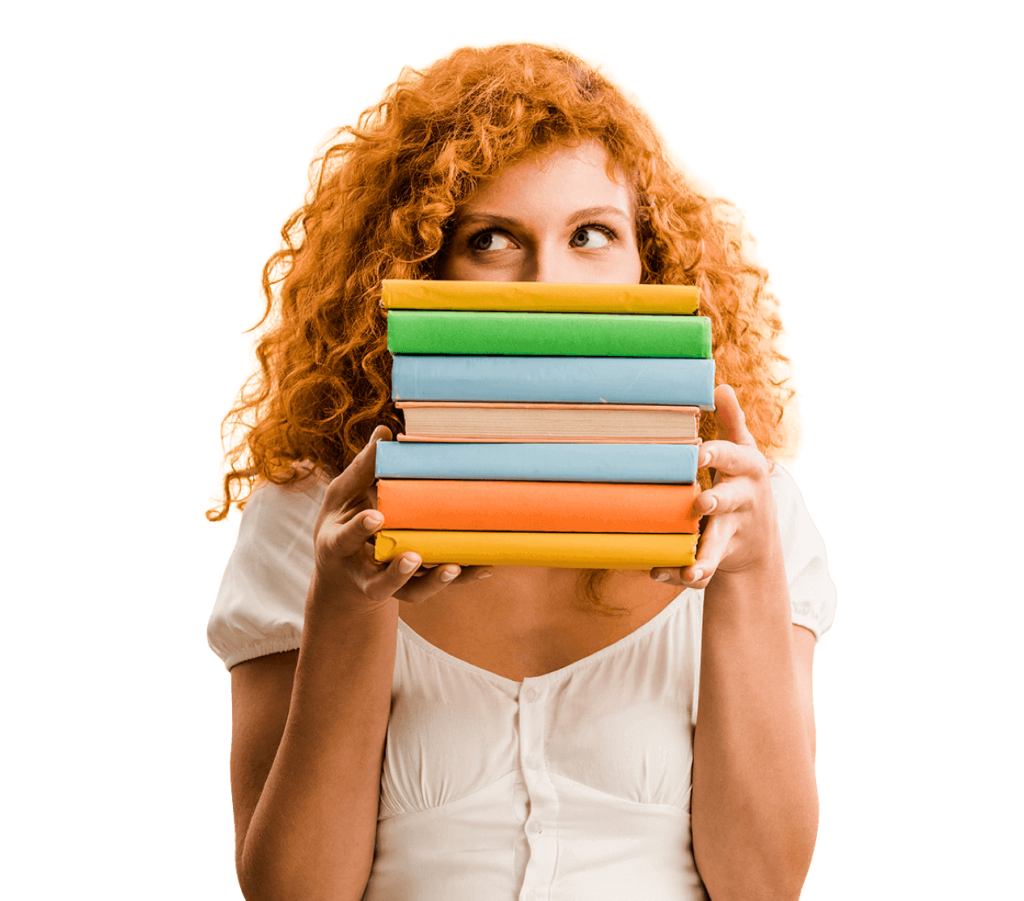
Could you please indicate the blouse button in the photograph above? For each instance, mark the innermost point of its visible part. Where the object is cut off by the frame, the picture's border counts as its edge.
(530, 694)
(535, 828)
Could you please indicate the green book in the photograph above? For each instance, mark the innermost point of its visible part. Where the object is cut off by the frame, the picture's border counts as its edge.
(548, 334)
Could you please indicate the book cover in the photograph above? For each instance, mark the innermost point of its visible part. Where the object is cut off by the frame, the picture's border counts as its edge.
(548, 334)
(503, 506)
(638, 463)
(557, 549)
(453, 421)
(587, 380)
(523, 296)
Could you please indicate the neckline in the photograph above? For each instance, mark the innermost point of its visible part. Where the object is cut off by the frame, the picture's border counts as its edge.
(654, 623)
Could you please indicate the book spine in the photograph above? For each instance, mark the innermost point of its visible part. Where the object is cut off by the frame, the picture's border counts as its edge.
(548, 334)
(555, 549)
(459, 295)
(537, 439)
(505, 506)
(639, 380)
(637, 463)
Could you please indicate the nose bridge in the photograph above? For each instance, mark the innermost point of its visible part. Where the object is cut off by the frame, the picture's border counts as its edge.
(548, 262)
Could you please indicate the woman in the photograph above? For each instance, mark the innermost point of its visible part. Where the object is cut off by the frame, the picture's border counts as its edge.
(405, 732)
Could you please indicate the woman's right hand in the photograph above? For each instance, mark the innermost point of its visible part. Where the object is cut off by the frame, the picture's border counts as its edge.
(346, 573)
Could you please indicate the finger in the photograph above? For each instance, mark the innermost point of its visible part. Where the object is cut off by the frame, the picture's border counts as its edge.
(688, 576)
(388, 581)
(358, 476)
(473, 574)
(429, 584)
(695, 576)
(713, 542)
(668, 576)
(731, 459)
(710, 550)
(730, 419)
(726, 496)
(345, 537)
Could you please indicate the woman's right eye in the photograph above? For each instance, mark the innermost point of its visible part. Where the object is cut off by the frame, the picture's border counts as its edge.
(489, 240)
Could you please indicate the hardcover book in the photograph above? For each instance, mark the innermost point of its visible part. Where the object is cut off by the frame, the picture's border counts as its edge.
(579, 380)
(557, 549)
(506, 506)
(638, 463)
(548, 334)
(459, 295)
(452, 421)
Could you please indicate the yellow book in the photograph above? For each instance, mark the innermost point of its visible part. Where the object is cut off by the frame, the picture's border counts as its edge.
(570, 550)
(553, 298)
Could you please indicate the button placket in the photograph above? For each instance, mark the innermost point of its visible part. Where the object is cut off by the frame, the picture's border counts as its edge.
(540, 827)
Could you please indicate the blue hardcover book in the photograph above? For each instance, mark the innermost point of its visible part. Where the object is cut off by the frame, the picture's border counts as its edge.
(642, 463)
(576, 380)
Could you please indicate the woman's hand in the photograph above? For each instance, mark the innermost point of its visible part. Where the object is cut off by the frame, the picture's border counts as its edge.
(742, 531)
(346, 572)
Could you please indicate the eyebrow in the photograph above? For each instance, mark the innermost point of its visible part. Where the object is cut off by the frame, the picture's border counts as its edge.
(590, 212)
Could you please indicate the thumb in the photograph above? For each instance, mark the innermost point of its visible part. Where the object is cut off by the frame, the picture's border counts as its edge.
(729, 418)
(359, 475)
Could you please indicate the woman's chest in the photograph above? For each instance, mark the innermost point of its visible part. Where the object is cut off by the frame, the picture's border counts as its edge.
(521, 628)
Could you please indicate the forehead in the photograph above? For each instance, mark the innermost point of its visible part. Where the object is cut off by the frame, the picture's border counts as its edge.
(561, 174)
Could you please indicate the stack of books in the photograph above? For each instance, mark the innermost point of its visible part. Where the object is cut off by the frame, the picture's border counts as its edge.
(545, 424)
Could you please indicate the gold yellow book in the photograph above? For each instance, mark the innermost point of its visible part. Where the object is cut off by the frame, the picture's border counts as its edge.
(432, 294)
(568, 550)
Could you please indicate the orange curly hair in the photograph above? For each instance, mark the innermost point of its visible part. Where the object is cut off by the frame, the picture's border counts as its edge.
(381, 201)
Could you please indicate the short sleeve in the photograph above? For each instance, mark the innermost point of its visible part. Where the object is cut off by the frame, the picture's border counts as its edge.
(811, 591)
(261, 601)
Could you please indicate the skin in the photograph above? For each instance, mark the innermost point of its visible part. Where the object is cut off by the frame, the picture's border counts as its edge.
(558, 217)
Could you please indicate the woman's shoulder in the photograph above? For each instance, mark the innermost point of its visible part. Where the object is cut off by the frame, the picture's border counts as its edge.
(812, 592)
(276, 506)
(260, 603)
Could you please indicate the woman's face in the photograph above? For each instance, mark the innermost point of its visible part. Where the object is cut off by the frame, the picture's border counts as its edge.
(553, 217)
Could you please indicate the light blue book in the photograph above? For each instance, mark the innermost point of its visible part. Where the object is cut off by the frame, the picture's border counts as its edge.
(570, 380)
(643, 463)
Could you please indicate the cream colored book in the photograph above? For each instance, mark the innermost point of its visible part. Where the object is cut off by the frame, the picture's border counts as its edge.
(500, 422)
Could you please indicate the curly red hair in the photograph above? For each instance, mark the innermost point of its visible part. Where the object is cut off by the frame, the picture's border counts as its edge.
(382, 198)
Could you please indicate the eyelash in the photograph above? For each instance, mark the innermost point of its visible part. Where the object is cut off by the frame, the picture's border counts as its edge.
(609, 233)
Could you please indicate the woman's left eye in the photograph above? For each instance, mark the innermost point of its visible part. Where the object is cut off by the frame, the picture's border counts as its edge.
(590, 236)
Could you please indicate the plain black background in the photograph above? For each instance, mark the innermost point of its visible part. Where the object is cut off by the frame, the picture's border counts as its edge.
(766, 139)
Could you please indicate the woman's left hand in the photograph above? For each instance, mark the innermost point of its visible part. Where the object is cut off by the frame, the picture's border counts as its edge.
(742, 531)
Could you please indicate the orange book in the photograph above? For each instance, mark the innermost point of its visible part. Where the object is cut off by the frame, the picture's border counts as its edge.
(486, 506)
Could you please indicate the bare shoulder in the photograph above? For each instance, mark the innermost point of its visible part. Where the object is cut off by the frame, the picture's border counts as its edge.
(261, 691)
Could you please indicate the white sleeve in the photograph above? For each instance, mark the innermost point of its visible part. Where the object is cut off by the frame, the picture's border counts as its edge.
(811, 591)
(261, 602)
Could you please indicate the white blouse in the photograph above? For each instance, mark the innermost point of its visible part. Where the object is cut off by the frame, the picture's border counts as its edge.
(574, 784)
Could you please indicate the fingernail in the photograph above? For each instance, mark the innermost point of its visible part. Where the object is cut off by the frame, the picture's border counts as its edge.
(373, 521)
(486, 575)
(406, 566)
(710, 504)
(705, 460)
(662, 577)
(448, 575)
(696, 576)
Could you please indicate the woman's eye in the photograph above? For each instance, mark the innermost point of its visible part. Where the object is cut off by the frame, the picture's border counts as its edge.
(490, 241)
(590, 237)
